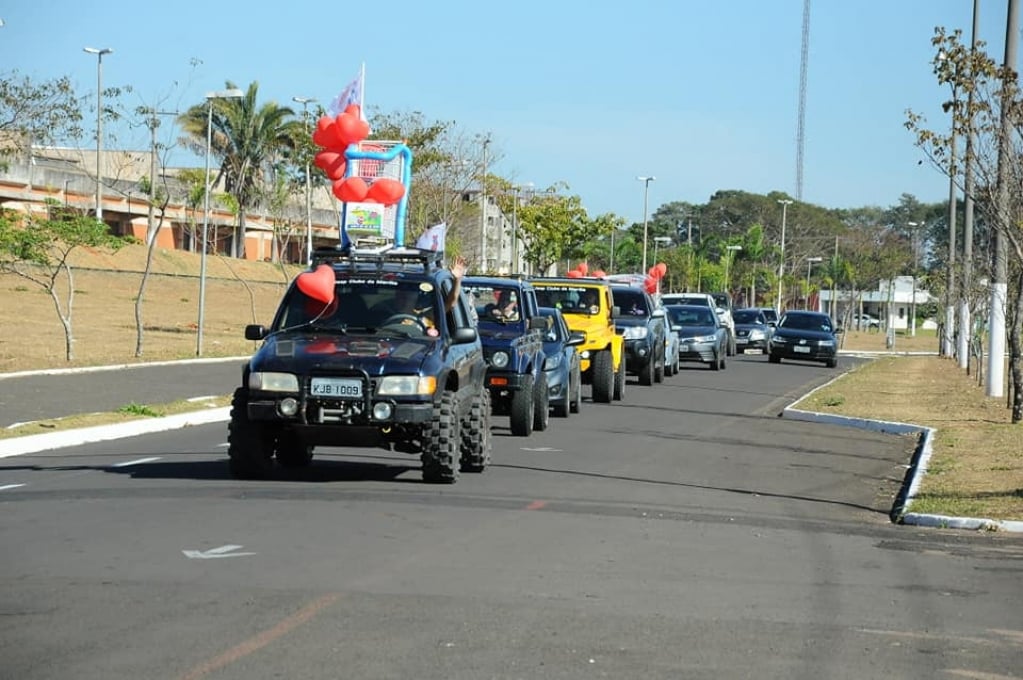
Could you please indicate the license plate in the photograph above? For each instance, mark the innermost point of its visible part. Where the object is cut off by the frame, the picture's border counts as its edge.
(801, 348)
(336, 387)
(683, 347)
(741, 341)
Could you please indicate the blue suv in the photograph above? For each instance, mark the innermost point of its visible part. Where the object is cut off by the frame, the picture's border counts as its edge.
(512, 332)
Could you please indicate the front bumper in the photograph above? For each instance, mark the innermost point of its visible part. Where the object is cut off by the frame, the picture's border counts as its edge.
(335, 413)
(504, 381)
(638, 353)
(697, 351)
(807, 352)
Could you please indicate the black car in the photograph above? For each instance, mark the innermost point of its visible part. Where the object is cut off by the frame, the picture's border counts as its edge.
(805, 336)
(641, 323)
(702, 334)
(365, 349)
(511, 330)
(562, 364)
(751, 329)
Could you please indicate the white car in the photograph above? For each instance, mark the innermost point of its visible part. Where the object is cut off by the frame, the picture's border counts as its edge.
(865, 322)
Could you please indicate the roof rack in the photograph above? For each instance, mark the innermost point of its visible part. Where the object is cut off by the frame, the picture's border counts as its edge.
(378, 256)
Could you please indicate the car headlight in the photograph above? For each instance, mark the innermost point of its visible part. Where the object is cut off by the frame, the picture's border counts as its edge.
(778, 339)
(499, 359)
(757, 335)
(406, 385)
(273, 382)
(552, 362)
(704, 338)
(635, 333)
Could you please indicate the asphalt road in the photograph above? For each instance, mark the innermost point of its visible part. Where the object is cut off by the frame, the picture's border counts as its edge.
(687, 532)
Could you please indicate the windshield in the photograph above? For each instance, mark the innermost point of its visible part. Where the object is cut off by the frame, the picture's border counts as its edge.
(748, 316)
(569, 299)
(806, 322)
(691, 316)
(630, 301)
(494, 304)
(366, 305)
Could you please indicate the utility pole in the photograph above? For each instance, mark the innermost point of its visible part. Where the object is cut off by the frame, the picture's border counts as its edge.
(965, 329)
(999, 279)
(785, 203)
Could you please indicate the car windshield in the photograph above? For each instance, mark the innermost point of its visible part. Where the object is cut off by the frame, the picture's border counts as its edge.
(721, 300)
(806, 322)
(691, 316)
(630, 302)
(748, 316)
(367, 305)
(494, 304)
(569, 299)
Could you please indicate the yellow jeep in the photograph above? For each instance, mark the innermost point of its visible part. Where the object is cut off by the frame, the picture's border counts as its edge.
(586, 305)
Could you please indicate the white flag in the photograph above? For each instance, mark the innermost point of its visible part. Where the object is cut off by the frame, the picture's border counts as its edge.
(352, 94)
(433, 238)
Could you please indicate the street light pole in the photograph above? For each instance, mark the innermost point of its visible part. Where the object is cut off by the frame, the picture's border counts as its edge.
(210, 97)
(785, 203)
(305, 102)
(646, 191)
(912, 302)
(99, 125)
(809, 266)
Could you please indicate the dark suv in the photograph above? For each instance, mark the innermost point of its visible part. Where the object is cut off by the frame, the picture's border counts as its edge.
(512, 332)
(365, 349)
(641, 322)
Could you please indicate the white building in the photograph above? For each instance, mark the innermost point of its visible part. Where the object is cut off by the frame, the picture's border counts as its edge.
(896, 299)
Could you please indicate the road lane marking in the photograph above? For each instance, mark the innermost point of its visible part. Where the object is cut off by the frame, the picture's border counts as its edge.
(5, 487)
(536, 505)
(257, 642)
(214, 553)
(138, 461)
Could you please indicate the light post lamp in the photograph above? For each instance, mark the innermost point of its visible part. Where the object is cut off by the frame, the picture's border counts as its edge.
(729, 250)
(912, 302)
(483, 210)
(646, 191)
(210, 97)
(809, 266)
(785, 203)
(305, 102)
(99, 125)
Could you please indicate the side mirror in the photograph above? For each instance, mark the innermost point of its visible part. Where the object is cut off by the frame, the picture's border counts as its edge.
(616, 312)
(463, 336)
(657, 314)
(538, 323)
(255, 331)
(576, 338)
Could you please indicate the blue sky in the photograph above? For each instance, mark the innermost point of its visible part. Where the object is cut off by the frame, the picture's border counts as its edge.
(701, 94)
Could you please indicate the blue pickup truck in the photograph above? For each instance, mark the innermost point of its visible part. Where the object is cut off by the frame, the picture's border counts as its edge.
(512, 332)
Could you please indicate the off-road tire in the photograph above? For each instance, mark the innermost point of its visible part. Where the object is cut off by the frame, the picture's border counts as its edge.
(522, 415)
(832, 363)
(441, 442)
(541, 404)
(774, 359)
(603, 370)
(575, 399)
(476, 446)
(292, 452)
(619, 390)
(250, 445)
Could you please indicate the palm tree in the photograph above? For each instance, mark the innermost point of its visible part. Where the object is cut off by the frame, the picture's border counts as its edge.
(245, 138)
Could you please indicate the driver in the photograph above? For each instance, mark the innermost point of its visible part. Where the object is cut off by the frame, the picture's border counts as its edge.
(417, 304)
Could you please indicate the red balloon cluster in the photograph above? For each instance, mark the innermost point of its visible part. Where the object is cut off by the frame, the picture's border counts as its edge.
(582, 269)
(654, 276)
(335, 135)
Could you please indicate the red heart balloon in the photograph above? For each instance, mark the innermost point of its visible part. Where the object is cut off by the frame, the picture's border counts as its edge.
(318, 284)
(662, 269)
(583, 268)
(354, 109)
(351, 129)
(386, 191)
(574, 274)
(351, 189)
(600, 273)
(326, 158)
(327, 133)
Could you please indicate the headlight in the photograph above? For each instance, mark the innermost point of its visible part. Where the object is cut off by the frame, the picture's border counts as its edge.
(499, 359)
(406, 385)
(635, 333)
(552, 362)
(704, 338)
(756, 335)
(273, 382)
(779, 339)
